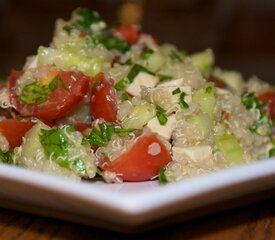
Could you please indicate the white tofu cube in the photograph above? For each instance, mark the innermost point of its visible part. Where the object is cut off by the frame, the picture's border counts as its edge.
(173, 83)
(142, 79)
(195, 153)
(163, 130)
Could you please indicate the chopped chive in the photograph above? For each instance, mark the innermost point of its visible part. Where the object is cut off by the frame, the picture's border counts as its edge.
(161, 118)
(54, 83)
(271, 152)
(175, 56)
(147, 53)
(124, 96)
(182, 102)
(162, 178)
(160, 114)
(163, 78)
(68, 29)
(209, 89)
(123, 132)
(176, 91)
(121, 84)
(135, 70)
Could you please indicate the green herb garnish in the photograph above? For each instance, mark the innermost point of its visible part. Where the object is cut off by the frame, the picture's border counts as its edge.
(6, 157)
(271, 152)
(161, 116)
(124, 97)
(163, 78)
(135, 70)
(209, 89)
(162, 178)
(55, 144)
(3, 78)
(147, 53)
(112, 42)
(79, 166)
(175, 56)
(102, 134)
(122, 84)
(182, 102)
(85, 18)
(34, 93)
(176, 91)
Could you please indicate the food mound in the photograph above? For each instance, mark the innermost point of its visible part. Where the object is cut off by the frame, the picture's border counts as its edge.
(110, 101)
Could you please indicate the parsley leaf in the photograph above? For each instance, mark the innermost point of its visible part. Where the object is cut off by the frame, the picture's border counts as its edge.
(85, 18)
(55, 144)
(112, 42)
(162, 177)
(34, 93)
(6, 157)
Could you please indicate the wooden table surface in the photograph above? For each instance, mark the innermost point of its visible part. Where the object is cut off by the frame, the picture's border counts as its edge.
(254, 221)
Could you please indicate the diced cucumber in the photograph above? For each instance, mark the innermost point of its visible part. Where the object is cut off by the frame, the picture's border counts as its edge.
(204, 61)
(205, 97)
(32, 144)
(230, 147)
(139, 117)
(155, 61)
(34, 154)
(233, 79)
(202, 124)
(64, 59)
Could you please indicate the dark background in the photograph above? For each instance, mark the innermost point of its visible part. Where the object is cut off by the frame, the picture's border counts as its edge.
(241, 32)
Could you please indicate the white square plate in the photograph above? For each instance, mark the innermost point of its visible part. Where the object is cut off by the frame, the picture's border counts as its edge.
(128, 206)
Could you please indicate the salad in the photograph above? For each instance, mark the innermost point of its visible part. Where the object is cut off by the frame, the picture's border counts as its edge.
(110, 101)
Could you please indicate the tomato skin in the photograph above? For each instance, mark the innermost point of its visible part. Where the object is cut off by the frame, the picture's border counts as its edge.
(128, 32)
(59, 102)
(14, 130)
(269, 96)
(103, 99)
(138, 164)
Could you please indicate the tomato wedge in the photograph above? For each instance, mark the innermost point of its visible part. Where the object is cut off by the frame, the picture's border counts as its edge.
(103, 99)
(14, 130)
(59, 102)
(269, 97)
(128, 32)
(142, 161)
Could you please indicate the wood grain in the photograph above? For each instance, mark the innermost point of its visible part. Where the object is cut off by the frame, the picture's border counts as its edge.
(253, 222)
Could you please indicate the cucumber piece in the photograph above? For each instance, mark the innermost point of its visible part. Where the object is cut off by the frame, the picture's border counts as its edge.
(230, 147)
(202, 124)
(155, 61)
(80, 162)
(204, 61)
(64, 59)
(139, 117)
(32, 145)
(206, 98)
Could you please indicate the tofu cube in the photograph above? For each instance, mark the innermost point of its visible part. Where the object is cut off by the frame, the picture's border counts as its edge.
(163, 130)
(142, 79)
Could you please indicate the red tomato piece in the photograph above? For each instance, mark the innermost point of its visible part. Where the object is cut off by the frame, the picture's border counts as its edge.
(59, 102)
(269, 96)
(82, 126)
(142, 161)
(128, 32)
(103, 99)
(14, 130)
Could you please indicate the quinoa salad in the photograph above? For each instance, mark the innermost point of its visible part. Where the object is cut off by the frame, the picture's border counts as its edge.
(110, 101)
